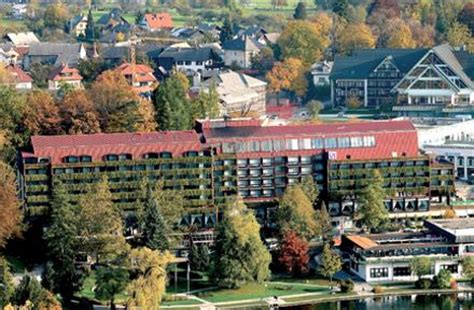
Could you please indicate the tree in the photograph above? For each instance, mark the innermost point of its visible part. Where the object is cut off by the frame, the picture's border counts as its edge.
(47, 277)
(148, 286)
(310, 188)
(340, 8)
(200, 257)
(12, 107)
(110, 281)
(48, 301)
(397, 34)
(314, 107)
(450, 213)
(468, 266)
(56, 16)
(330, 263)
(62, 242)
(41, 114)
(241, 256)
(372, 212)
(100, 232)
(6, 283)
(116, 102)
(91, 68)
(226, 31)
(154, 230)
(466, 16)
(443, 279)
(171, 101)
(300, 11)
(355, 36)
(90, 28)
(303, 40)
(295, 212)
(278, 3)
(352, 102)
(421, 266)
(10, 212)
(459, 35)
(139, 17)
(288, 75)
(78, 114)
(29, 289)
(323, 221)
(294, 253)
(146, 120)
(206, 104)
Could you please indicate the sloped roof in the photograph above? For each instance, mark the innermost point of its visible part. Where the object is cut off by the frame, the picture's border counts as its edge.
(64, 73)
(76, 20)
(362, 242)
(466, 60)
(66, 52)
(18, 75)
(22, 38)
(159, 21)
(190, 54)
(243, 43)
(126, 68)
(445, 52)
(364, 61)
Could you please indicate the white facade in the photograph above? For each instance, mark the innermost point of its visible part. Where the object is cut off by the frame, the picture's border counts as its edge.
(193, 66)
(56, 85)
(239, 58)
(23, 86)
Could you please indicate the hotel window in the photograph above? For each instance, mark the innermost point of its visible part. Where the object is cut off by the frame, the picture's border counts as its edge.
(266, 146)
(240, 147)
(293, 160)
(71, 159)
(267, 161)
(256, 182)
(125, 156)
(293, 143)
(254, 146)
(305, 144)
(267, 182)
(317, 143)
(242, 162)
(254, 162)
(357, 142)
(165, 155)
(151, 155)
(330, 143)
(379, 272)
(343, 142)
(267, 172)
(401, 271)
(279, 145)
(369, 141)
(306, 170)
(228, 147)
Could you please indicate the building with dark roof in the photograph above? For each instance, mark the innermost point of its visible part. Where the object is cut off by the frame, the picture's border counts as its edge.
(190, 60)
(227, 157)
(410, 79)
(54, 54)
(240, 51)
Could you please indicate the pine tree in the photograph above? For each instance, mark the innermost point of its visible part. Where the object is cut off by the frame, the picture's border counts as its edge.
(139, 17)
(330, 263)
(300, 11)
(372, 211)
(6, 283)
(324, 221)
(62, 242)
(47, 278)
(340, 8)
(29, 289)
(199, 257)
(226, 31)
(154, 227)
(90, 28)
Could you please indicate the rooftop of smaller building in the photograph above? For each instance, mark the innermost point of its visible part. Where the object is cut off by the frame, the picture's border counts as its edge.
(458, 229)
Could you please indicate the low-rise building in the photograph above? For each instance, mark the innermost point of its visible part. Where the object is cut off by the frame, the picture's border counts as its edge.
(139, 76)
(54, 54)
(64, 75)
(19, 78)
(190, 60)
(77, 25)
(239, 51)
(157, 22)
(21, 38)
(387, 257)
(320, 72)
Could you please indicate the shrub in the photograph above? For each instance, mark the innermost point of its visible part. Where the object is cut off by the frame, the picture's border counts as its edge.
(347, 286)
(378, 290)
(454, 284)
(423, 284)
(443, 279)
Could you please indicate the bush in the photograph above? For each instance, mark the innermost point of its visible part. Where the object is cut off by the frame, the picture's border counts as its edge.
(443, 279)
(378, 290)
(423, 284)
(347, 286)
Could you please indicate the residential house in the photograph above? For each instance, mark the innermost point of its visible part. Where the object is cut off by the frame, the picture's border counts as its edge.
(112, 18)
(19, 78)
(320, 72)
(77, 25)
(190, 60)
(157, 22)
(414, 80)
(140, 77)
(8, 53)
(21, 38)
(55, 54)
(239, 52)
(63, 75)
(19, 10)
(240, 95)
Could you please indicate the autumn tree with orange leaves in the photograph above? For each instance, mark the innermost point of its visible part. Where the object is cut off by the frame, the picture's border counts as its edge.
(10, 212)
(294, 253)
(288, 75)
(41, 115)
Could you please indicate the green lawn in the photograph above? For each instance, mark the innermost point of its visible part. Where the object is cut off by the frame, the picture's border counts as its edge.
(88, 291)
(256, 291)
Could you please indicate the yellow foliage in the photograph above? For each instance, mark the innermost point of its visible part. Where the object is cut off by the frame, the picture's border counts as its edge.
(288, 75)
(450, 213)
(399, 35)
(356, 36)
(147, 113)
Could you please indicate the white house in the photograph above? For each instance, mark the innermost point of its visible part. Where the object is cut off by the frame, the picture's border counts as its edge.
(240, 51)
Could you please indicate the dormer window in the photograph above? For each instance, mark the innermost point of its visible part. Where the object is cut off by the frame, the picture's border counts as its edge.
(86, 159)
(111, 157)
(165, 155)
(125, 157)
(71, 159)
(151, 155)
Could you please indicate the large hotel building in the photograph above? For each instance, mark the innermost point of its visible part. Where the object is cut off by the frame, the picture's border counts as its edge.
(244, 157)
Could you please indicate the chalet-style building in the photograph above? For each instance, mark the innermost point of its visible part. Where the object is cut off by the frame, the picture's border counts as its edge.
(190, 60)
(157, 22)
(19, 78)
(77, 25)
(410, 79)
(140, 77)
(242, 156)
(239, 51)
(55, 54)
(320, 72)
(64, 75)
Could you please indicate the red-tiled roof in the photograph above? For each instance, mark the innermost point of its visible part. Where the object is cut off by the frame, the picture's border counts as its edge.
(64, 73)
(127, 69)
(99, 145)
(159, 21)
(18, 75)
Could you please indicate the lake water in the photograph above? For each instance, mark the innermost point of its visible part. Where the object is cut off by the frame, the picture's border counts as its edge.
(441, 302)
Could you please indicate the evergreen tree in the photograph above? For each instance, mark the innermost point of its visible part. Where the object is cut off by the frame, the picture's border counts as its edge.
(200, 257)
(154, 227)
(139, 17)
(324, 222)
(28, 289)
(300, 11)
(47, 278)
(310, 188)
(240, 254)
(226, 31)
(172, 105)
(340, 7)
(62, 242)
(330, 263)
(6, 283)
(90, 27)
(110, 281)
(372, 211)
(206, 104)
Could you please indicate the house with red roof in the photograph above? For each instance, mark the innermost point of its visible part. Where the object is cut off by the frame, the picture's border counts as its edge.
(64, 75)
(139, 76)
(157, 22)
(19, 78)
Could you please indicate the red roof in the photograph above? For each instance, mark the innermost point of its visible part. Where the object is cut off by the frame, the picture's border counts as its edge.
(99, 145)
(159, 21)
(18, 75)
(143, 73)
(64, 73)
